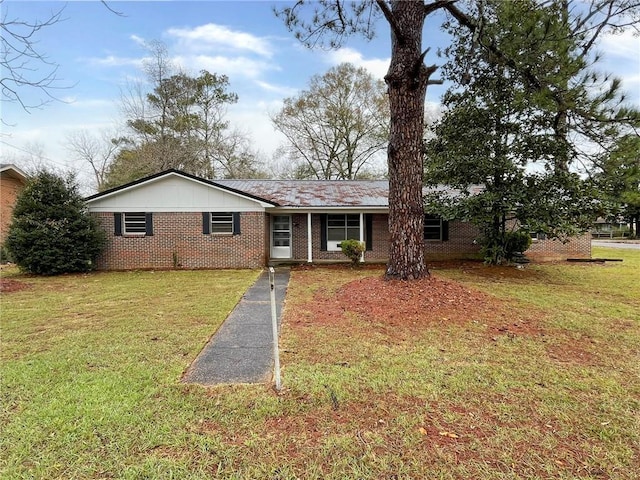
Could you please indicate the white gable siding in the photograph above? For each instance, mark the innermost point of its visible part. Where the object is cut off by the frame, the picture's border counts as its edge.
(174, 193)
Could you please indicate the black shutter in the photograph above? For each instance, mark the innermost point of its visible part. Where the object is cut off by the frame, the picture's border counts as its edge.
(117, 222)
(206, 223)
(368, 232)
(236, 223)
(445, 230)
(323, 232)
(148, 223)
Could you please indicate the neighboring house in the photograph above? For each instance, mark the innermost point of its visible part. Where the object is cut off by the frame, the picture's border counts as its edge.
(12, 181)
(177, 220)
(605, 228)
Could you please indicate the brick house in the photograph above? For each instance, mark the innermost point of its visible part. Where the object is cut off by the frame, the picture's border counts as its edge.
(177, 220)
(12, 181)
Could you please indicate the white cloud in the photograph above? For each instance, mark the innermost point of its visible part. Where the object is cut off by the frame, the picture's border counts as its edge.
(238, 66)
(139, 40)
(253, 117)
(206, 37)
(92, 103)
(376, 66)
(277, 89)
(622, 58)
(114, 61)
(624, 44)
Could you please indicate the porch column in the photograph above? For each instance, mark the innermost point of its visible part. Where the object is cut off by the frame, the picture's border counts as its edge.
(309, 241)
(362, 234)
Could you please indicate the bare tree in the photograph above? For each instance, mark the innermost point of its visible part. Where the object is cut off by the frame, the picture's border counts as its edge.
(234, 157)
(336, 128)
(24, 67)
(96, 150)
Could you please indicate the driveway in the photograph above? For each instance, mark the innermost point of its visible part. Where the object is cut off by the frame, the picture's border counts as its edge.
(627, 244)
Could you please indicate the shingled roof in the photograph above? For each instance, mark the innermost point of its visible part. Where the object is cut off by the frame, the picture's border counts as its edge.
(316, 193)
(372, 194)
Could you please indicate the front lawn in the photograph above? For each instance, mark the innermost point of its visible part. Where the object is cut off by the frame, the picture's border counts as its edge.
(489, 373)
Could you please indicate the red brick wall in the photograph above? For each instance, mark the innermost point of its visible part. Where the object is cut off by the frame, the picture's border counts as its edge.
(553, 250)
(380, 235)
(179, 236)
(10, 188)
(460, 245)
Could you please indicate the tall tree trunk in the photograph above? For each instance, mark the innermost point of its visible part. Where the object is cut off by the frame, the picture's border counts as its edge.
(561, 120)
(407, 80)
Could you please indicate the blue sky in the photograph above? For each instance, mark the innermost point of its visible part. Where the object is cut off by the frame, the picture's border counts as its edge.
(100, 52)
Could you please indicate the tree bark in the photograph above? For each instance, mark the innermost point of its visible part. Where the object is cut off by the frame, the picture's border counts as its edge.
(407, 81)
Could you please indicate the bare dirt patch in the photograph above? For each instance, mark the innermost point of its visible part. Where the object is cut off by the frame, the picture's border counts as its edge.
(572, 353)
(404, 303)
(400, 309)
(8, 285)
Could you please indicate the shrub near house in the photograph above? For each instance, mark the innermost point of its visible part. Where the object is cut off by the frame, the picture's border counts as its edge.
(52, 232)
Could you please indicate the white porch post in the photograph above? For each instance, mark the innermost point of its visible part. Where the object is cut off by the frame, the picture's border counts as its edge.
(362, 234)
(309, 241)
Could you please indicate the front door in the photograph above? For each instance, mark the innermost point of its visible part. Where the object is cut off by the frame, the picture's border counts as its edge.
(281, 236)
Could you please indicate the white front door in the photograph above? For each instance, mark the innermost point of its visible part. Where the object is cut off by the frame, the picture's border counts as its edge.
(281, 236)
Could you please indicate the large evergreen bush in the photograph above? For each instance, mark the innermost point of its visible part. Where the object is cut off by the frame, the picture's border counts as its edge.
(51, 230)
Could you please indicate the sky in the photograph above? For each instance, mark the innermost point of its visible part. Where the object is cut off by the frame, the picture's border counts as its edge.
(100, 54)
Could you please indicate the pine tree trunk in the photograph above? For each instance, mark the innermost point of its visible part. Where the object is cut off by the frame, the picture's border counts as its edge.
(407, 80)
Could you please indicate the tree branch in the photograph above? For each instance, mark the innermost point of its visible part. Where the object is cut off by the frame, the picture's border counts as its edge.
(472, 25)
(437, 5)
(388, 15)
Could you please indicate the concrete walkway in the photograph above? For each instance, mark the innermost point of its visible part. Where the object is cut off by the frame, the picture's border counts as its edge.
(241, 351)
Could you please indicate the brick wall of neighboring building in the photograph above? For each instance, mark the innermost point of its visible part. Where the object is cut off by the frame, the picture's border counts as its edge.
(553, 250)
(10, 188)
(178, 242)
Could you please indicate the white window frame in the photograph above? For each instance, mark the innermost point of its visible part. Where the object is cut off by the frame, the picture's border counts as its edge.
(134, 224)
(334, 245)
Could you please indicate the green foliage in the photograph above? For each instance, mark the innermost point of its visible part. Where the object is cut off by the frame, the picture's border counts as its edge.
(181, 123)
(506, 247)
(5, 256)
(353, 249)
(501, 141)
(51, 231)
(620, 178)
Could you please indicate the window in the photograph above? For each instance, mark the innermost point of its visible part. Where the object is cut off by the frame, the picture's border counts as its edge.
(281, 231)
(221, 223)
(136, 224)
(342, 227)
(535, 236)
(433, 228)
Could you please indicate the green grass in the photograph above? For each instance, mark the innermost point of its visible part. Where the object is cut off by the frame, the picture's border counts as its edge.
(91, 367)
